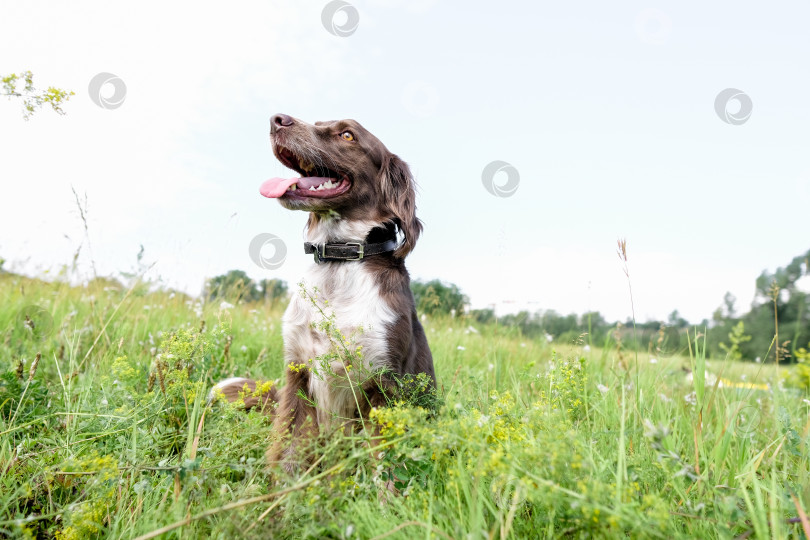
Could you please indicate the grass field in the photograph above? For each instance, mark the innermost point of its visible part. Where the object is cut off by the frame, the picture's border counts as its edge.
(108, 434)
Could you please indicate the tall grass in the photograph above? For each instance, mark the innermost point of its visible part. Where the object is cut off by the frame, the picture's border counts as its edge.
(111, 435)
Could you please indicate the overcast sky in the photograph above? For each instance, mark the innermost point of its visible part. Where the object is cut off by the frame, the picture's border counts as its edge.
(605, 110)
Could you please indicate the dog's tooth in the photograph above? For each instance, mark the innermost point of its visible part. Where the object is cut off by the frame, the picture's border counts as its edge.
(306, 166)
(312, 188)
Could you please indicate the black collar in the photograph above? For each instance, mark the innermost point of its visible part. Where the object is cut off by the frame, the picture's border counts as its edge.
(381, 239)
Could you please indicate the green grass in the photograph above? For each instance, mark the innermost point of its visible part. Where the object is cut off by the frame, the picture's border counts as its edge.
(112, 437)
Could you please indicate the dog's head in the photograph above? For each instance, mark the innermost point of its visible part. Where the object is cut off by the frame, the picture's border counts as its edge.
(344, 170)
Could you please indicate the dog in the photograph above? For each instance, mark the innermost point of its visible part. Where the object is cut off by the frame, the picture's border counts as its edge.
(361, 199)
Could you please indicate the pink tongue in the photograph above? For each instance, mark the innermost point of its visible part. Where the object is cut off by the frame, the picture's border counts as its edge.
(275, 187)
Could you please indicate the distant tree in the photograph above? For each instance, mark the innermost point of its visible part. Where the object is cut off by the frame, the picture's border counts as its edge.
(22, 86)
(483, 316)
(272, 290)
(778, 291)
(435, 297)
(676, 320)
(234, 285)
(728, 302)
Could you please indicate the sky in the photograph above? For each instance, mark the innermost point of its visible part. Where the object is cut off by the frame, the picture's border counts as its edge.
(606, 112)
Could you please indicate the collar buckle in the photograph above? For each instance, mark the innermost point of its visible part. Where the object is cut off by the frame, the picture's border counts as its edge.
(360, 250)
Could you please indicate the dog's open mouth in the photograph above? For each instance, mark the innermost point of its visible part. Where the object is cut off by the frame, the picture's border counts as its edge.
(316, 181)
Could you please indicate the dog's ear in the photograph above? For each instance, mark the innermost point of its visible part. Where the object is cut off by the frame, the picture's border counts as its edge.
(399, 195)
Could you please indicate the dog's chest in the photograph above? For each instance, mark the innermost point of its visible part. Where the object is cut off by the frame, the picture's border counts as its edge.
(350, 293)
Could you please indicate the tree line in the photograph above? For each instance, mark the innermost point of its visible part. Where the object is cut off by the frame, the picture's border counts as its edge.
(777, 323)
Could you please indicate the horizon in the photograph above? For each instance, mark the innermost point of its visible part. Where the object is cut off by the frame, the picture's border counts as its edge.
(802, 284)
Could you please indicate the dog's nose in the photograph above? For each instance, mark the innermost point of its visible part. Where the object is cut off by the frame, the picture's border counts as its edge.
(280, 121)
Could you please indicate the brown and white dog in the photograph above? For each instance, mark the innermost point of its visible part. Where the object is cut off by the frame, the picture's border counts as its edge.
(359, 196)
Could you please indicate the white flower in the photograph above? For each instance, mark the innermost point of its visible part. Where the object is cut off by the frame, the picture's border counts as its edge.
(483, 420)
(758, 360)
(602, 388)
(691, 398)
(461, 348)
(522, 344)
(244, 348)
(471, 330)
(586, 348)
(171, 296)
(653, 360)
(104, 401)
(664, 398)
(491, 367)
(549, 337)
(225, 305)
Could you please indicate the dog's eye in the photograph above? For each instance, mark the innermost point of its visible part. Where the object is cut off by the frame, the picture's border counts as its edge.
(347, 136)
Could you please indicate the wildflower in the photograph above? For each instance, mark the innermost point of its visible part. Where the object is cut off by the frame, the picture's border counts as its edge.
(586, 348)
(225, 305)
(491, 367)
(602, 388)
(244, 348)
(653, 360)
(549, 337)
(691, 398)
(471, 330)
(664, 398)
(461, 348)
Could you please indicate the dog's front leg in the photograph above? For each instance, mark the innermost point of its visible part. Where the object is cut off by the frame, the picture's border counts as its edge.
(296, 422)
